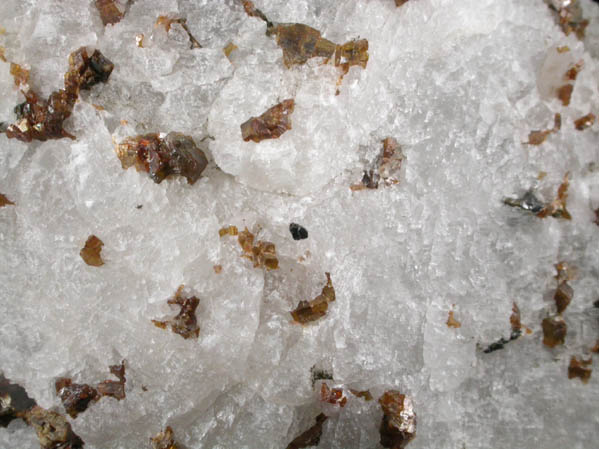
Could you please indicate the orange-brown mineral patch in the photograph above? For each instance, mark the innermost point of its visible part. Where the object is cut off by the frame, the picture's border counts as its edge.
(554, 331)
(585, 121)
(185, 323)
(308, 311)
(580, 368)
(310, 437)
(91, 251)
(272, 124)
(398, 426)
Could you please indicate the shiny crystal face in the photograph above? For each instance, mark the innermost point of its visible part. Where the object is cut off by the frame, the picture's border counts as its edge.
(418, 214)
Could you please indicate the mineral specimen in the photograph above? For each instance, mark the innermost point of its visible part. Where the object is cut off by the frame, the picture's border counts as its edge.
(398, 426)
(110, 11)
(310, 437)
(5, 201)
(585, 121)
(185, 323)
(580, 368)
(75, 397)
(164, 440)
(40, 119)
(452, 322)
(398, 3)
(162, 156)
(564, 93)
(90, 253)
(53, 430)
(554, 331)
(298, 232)
(563, 296)
(271, 124)
(333, 396)
(308, 311)
(263, 254)
(538, 137)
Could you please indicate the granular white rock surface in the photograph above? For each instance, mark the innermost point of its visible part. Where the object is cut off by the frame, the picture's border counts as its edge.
(458, 83)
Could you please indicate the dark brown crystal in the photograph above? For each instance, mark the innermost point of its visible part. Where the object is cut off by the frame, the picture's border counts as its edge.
(112, 388)
(75, 397)
(308, 311)
(271, 124)
(310, 437)
(398, 426)
(175, 154)
(5, 201)
(185, 323)
(554, 331)
(580, 368)
(585, 121)
(563, 296)
(53, 430)
(110, 12)
(564, 93)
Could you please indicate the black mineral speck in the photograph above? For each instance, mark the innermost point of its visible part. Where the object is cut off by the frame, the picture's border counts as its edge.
(298, 232)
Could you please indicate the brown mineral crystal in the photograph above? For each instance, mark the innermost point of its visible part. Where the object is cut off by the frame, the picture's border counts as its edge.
(300, 42)
(91, 251)
(580, 368)
(365, 394)
(174, 154)
(14, 401)
(554, 331)
(333, 396)
(569, 17)
(110, 12)
(185, 323)
(114, 389)
(5, 201)
(218, 269)
(75, 397)
(351, 53)
(167, 22)
(585, 121)
(398, 3)
(398, 426)
(563, 296)
(53, 430)
(557, 208)
(452, 322)
(310, 437)
(20, 75)
(515, 318)
(573, 71)
(263, 254)
(308, 311)
(538, 137)
(271, 124)
(164, 440)
(228, 230)
(39, 119)
(229, 49)
(564, 93)
(252, 11)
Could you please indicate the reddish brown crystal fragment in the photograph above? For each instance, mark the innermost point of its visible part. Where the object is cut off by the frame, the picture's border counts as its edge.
(554, 331)
(53, 430)
(109, 10)
(557, 208)
(263, 254)
(175, 154)
(308, 311)
(452, 322)
(5, 201)
(164, 440)
(185, 323)
(569, 17)
(573, 71)
(91, 251)
(252, 11)
(333, 396)
(75, 397)
(300, 42)
(351, 53)
(585, 121)
(310, 437)
(39, 119)
(366, 395)
(538, 137)
(398, 3)
(515, 318)
(564, 93)
(271, 124)
(580, 368)
(112, 388)
(398, 426)
(563, 296)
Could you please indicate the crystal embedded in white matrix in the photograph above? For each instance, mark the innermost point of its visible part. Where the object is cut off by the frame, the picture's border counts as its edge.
(459, 84)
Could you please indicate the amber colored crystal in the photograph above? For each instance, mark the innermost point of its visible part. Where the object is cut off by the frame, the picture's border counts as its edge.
(91, 251)
(75, 397)
(110, 13)
(585, 121)
(333, 396)
(580, 368)
(271, 124)
(557, 208)
(185, 323)
(564, 93)
(5, 201)
(554, 331)
(53, 430)
(164, 440)
(398, 426)
(308, 311)
(452, 322)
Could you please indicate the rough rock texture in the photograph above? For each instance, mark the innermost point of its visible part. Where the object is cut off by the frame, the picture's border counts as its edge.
(459, 84)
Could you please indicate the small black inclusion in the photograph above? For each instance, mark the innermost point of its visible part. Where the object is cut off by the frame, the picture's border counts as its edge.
(298, 232)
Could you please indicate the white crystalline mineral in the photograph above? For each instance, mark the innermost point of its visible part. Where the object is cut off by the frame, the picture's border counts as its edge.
(459, 84)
